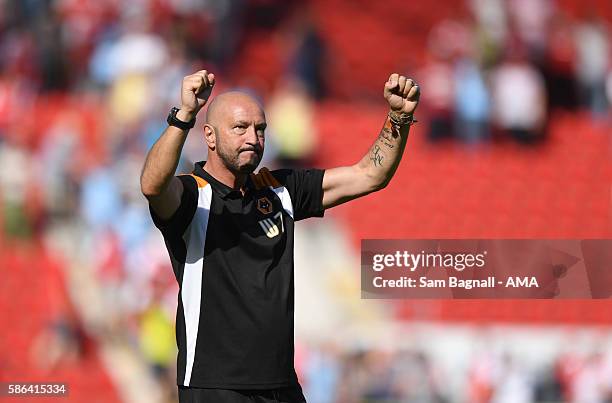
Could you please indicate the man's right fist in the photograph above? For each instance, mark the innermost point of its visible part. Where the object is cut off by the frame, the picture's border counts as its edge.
(194, 93)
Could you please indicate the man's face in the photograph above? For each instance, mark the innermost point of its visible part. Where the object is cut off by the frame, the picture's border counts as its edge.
(240, 137)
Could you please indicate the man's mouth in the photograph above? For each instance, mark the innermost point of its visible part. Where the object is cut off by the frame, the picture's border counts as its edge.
(250, 151)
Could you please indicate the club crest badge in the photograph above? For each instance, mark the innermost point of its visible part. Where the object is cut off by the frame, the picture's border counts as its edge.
(264, 205)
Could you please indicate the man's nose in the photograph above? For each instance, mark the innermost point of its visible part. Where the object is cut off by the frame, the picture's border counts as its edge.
(252, 136)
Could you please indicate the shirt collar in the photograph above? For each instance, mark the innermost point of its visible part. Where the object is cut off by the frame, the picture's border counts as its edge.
(221, 188)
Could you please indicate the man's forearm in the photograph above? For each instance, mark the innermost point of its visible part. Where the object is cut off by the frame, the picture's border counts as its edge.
(383, 158)
(162, 160)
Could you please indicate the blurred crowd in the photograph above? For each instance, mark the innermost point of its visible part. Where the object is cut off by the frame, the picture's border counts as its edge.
(379, 375)
(84, 90)
(506, 66)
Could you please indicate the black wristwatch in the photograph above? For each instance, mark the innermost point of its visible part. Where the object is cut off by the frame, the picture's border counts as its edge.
(176, 122)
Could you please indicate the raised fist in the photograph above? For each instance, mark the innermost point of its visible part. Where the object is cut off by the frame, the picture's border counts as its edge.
(195, 91)
(402, 94)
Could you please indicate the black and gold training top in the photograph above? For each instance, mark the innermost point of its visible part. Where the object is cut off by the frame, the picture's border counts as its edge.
(232, 255)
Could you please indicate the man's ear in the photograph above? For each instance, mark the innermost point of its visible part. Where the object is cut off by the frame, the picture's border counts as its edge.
(210, 137)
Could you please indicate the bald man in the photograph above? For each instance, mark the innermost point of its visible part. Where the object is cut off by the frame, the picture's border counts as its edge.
(229, 234)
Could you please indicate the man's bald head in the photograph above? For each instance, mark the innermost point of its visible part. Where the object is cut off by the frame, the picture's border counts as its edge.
(226, 104)
(234, 131)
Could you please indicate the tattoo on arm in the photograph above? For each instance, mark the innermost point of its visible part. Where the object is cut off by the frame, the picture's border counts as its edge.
(385, 137)
(375, 156)
(389, 137)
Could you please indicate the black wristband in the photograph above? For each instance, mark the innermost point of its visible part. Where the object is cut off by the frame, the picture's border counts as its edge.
(176, 122)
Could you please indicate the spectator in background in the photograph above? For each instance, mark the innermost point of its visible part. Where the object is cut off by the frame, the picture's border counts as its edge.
(378, 387)
(548, 386)
(471, 102)
(156, 336)
(491, 24)
(16, 181)
(100, 199)
(437, 76)
(132, 60)
(513, 383)
(308, 59)
(63, 341)
(323, 374)
(460, 41)
(591, 383)
(530, 19)
(415, 378)
(608, 88)
(559, 65)
(291, 119)
(54, 71)
(481, 377)
(592, 63)
(519, 99)
(60, 142)
(228, 21)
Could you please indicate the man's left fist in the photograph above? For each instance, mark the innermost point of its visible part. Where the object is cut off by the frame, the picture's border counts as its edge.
(402, 94)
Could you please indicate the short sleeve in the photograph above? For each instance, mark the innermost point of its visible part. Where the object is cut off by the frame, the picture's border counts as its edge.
(179, 221)
(305, 186)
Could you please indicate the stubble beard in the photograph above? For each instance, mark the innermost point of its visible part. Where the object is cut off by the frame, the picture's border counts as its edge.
(232, 162)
